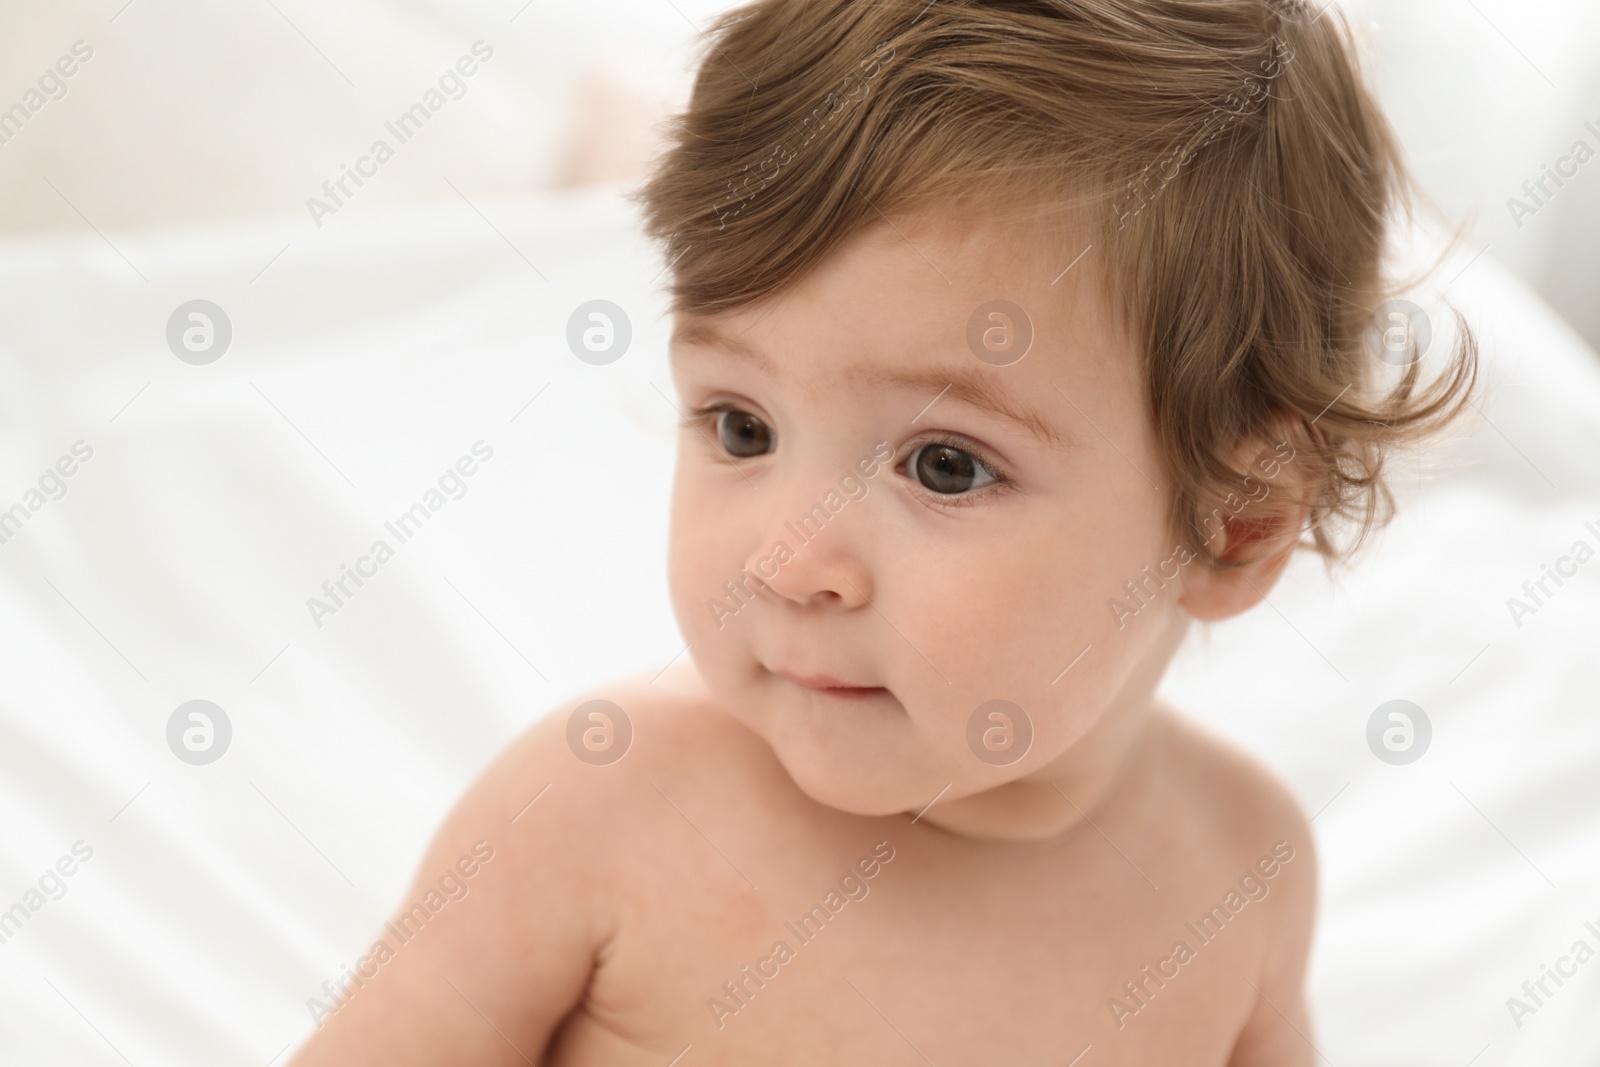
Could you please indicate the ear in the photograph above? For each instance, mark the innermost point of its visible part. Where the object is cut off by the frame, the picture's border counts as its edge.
(1257, 534)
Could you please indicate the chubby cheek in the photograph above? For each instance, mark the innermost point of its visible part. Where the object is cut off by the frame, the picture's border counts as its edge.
(1025, 622)
(701, 556)
(693, 552)
(983, 650)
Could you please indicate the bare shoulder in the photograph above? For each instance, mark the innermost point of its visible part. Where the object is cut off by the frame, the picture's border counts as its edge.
(1261, 842)
(632, 728)
(576, 806)
(1247, 796)
(536, 869)
(1246, 815)
(596, 755)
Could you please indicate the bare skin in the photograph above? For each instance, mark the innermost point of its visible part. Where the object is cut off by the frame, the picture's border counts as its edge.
(962, 909)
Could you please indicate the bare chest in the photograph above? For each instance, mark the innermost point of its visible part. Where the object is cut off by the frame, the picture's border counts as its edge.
(888, 949)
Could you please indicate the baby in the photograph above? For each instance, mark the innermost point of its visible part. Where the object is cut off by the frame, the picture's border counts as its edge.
(1012, 336)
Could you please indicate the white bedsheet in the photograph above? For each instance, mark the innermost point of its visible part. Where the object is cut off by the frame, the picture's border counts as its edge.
(372, 355)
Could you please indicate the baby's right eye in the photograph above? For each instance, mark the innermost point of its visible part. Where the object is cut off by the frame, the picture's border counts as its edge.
(743, 434)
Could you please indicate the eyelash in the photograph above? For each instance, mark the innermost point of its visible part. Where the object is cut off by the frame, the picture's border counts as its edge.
(1000, 482)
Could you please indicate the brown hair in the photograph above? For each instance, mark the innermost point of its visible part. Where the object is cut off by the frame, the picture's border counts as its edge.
(1230, 168)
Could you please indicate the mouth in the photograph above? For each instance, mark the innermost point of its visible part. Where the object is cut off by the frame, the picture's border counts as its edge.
(826, 685)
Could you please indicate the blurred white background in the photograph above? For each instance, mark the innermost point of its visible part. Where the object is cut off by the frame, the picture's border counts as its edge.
(429, 313)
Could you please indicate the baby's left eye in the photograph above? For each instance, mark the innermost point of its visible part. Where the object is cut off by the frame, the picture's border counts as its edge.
(948, 470)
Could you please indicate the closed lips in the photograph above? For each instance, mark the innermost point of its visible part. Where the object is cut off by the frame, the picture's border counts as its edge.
(828, 684)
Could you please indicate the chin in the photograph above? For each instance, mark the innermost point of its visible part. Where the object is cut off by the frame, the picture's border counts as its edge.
(856, 787)
(852, 758)
(852, 797)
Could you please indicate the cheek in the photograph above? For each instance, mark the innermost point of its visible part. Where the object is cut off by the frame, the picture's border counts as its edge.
(1026, 617)
(693, 559)
(702, 554)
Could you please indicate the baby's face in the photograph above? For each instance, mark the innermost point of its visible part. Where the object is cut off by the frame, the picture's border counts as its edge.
(976, 562)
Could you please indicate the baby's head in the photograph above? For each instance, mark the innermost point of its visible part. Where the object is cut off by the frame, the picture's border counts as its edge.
(1011, 337)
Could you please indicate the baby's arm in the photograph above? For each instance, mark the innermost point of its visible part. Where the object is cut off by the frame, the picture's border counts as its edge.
(490, 976)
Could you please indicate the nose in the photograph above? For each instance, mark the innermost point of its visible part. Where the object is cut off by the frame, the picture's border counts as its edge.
(811, 553)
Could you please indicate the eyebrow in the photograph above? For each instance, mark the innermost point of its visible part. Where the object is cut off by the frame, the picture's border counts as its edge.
(968, 386)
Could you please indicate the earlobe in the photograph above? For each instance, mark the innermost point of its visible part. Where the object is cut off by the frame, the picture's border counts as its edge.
(1260, 548)
(1256, 537)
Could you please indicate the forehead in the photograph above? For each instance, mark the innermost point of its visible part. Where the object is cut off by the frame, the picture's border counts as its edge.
(896, 307)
